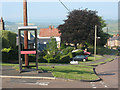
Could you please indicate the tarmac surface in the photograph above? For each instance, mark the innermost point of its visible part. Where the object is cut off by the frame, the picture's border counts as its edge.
(108, 72)
(10, 71)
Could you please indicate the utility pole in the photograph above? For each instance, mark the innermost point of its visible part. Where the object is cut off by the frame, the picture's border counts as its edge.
(25, 32)
(95, 43)
(107, 39)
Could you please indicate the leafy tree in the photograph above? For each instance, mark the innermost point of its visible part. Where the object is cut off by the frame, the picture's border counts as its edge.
(80, 25)
(103, 38)
(51, 48)
(62, 46)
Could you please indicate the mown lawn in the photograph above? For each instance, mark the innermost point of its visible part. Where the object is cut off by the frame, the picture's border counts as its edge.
(77, 72)
(107, 60)
(91, 59)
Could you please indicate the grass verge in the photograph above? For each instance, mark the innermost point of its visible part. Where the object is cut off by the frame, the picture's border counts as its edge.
(91, 59)
(77, 72)
(107, 60)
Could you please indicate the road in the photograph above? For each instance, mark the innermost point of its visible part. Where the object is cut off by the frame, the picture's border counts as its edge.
(108, 72)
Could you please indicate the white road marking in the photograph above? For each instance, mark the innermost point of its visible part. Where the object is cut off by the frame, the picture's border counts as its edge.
(105, 86)
(42, 83)
(101, 82)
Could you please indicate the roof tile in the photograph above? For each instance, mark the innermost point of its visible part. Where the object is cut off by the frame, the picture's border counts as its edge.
(49, 32)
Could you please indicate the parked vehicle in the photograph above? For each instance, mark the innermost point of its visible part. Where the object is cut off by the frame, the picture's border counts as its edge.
(86, 53)
(80, 58)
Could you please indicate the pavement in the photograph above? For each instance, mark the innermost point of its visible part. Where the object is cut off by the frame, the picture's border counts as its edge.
(10, 71)
(108, 72)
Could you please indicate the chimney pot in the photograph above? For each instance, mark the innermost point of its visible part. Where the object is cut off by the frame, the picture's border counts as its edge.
(1, 19)
(50, 28)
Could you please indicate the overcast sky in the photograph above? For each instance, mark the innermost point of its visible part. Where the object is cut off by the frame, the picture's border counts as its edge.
(53, 11)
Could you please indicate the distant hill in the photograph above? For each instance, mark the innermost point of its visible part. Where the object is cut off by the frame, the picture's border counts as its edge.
(112, 26)
(12, 26)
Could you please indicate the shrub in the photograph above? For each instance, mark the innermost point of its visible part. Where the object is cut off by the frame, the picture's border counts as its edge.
(42, 60)
(73, 54)
(70, 54)
(100, 50)
(80, 52)
(9, 55)
(65, 59)
(91, 50)
(53, 60)
(67, 50)
(9, 49)
(8, 39)
(62, 46)
(6, 49)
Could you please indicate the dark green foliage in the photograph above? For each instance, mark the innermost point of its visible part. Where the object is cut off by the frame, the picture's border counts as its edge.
(8, 39)
(52, 55)
(9, 49)
(73, 54)
(91, 50)
(103, 38)
(53, 60)
(80, 25)
(80, 52)
(51, 49)
(62, 46)
(67, 50)
(57, 56)
(10, 56)
(42, 60)
(65, 59)
(6, 49)
(101, 50)
(70, 54)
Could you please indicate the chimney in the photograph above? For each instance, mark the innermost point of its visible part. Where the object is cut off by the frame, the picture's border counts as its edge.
(1, 19)
(50, 28)
(2, 24)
